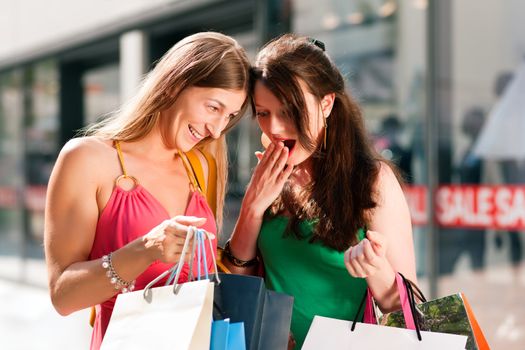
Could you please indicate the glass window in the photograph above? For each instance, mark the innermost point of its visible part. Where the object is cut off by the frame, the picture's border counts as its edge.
(482, 210)
(101, 92)
(41, 149)
(11, 173)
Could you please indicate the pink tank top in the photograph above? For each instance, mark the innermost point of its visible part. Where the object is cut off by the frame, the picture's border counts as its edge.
(130, 214)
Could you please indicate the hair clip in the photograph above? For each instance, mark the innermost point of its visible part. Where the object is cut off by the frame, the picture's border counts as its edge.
(317, 43)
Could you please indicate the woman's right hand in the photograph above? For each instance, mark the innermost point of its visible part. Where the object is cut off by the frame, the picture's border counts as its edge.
(165, 241)
(268, 178)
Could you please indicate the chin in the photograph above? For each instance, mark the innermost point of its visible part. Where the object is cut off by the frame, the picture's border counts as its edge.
(184, 146)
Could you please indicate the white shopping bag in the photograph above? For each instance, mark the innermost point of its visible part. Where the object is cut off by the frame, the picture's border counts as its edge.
(330, 333)
(176, 316)
(165, 321)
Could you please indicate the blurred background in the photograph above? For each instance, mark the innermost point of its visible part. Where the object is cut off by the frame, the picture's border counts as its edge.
(441, 83)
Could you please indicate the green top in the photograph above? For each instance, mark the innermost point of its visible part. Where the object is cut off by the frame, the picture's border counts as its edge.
(312, 273)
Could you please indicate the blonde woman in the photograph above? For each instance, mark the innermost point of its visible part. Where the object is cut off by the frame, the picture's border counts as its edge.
(120, 199)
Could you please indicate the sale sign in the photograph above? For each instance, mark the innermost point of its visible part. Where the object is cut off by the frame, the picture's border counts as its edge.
(472, 206)
(499, 207)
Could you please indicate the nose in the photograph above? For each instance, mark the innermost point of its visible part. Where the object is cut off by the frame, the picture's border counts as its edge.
(276, 125)
(216, 127)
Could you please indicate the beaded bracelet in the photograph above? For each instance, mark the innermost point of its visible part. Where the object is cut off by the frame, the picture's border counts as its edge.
(236, 261)
(114, 277)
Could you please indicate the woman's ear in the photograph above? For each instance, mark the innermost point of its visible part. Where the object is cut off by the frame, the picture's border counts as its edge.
(327, 103)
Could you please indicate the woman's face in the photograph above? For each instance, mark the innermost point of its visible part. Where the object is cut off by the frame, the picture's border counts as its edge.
(201, 112)
(276, 127)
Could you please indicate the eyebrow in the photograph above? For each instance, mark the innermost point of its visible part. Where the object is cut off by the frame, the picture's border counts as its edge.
(223, 106)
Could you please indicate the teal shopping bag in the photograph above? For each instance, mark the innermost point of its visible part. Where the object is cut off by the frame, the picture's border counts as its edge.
(227, 336)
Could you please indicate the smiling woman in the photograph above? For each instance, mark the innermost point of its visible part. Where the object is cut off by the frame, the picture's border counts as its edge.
(199, 113)
(120, 198)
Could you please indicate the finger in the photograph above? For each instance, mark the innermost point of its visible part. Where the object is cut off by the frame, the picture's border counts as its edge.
(351, 269)
(356, 266)
(281, 160)
(273, 151)
(359, 253)
(370, 256)
(276, 152)
(189, 220)
(348, 263)
(265, 140)
(356, 250)
(181, 234)
(378, 241)
(259, 156)
(267, 154)
(286, 173)
(210, 235)
(357, 260)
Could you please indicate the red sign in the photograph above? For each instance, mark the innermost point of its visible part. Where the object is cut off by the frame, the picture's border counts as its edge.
(499, 207)
(474, 206)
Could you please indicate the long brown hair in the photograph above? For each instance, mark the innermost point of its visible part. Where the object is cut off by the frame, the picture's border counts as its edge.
(341, 194)
(205, 59)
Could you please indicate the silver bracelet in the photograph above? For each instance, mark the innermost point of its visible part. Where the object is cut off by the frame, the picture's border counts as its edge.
(114, 277)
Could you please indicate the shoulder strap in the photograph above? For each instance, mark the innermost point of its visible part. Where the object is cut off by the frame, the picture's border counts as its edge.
(121, 158)
(190, 171)
(211, 189)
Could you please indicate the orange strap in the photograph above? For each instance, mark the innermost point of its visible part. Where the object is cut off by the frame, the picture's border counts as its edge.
(190, 170)
(120, 158)
(208, 188)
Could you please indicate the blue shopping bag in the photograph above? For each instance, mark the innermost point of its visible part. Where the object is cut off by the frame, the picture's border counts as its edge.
(227, 336)
(266, 315)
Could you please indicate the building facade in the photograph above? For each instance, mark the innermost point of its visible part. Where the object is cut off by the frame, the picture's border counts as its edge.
(439, 83)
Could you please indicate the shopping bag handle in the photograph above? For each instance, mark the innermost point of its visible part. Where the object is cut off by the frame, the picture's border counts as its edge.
(198, 242)
(408, 305)
(177, 268)
(199, 246)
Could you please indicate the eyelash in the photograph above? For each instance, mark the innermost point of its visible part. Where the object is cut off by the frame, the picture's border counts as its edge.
(261, 114)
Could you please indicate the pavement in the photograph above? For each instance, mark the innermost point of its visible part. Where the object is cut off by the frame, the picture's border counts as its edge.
(28, 321)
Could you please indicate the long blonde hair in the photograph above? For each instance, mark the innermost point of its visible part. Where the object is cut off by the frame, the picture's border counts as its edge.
(206, 59)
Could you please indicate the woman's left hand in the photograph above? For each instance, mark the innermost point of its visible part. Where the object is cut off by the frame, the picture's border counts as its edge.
(367, 257)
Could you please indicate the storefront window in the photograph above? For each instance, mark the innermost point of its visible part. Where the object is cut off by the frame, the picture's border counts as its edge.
(482, 213)
(101, 92)
(11, 173)
(41, 149)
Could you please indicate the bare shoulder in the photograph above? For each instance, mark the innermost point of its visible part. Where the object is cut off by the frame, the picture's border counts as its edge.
(85, 159)
(85, 148)
(387, 182)
(86, 151)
